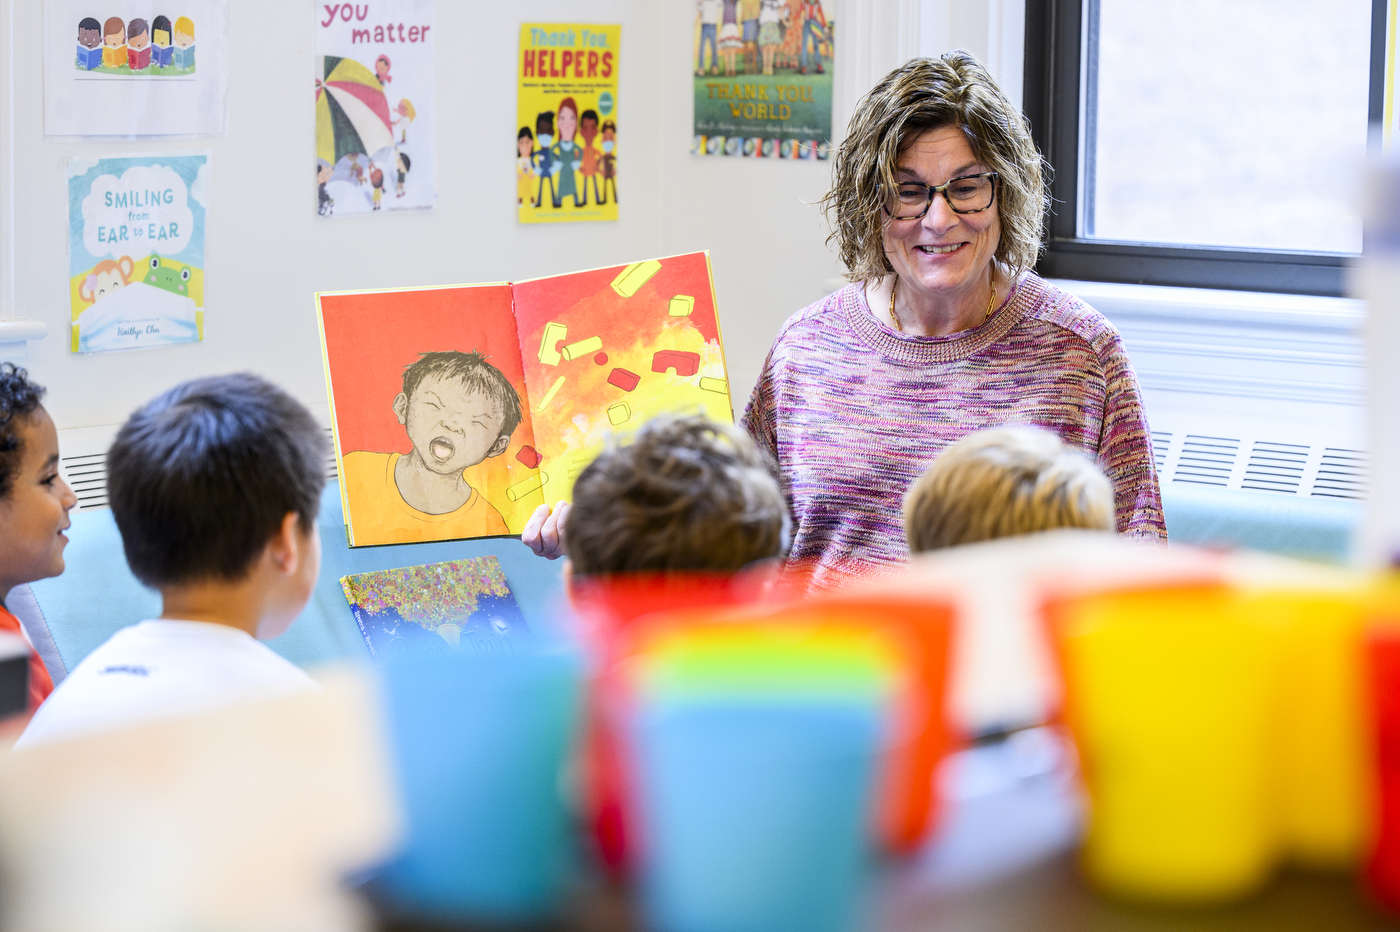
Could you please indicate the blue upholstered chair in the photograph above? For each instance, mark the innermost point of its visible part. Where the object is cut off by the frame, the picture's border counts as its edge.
(1290, 525)
(68, 616)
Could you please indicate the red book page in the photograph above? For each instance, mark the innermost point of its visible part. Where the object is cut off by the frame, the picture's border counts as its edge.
(609, 332)
(368, 339)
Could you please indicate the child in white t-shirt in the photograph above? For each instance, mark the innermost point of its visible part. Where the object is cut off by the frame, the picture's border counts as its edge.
(215, 486)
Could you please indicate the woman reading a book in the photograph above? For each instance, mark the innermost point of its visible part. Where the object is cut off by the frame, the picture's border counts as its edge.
(938, 204)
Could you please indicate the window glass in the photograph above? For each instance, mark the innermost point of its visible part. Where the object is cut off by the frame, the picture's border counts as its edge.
(1225, 122)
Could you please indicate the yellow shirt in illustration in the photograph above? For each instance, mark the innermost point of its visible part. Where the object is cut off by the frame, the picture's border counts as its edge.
(379, 515)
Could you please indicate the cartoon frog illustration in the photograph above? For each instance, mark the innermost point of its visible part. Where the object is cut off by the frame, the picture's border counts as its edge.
(164, 274)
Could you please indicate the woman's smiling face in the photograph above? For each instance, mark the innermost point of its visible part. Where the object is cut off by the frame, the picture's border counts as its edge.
(943, 255)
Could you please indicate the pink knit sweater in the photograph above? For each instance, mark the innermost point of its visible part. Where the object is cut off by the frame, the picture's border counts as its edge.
(853, 412)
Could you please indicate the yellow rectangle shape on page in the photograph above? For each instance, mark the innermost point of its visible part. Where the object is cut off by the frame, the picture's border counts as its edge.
(553, 333)
(634, 277)
(714, 385)
(583, 348)
(619, 413)
(524, 487)
(549, 395)
(682, 305)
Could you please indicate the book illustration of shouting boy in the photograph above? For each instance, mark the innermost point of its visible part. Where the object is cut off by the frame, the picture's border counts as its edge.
(457, 410)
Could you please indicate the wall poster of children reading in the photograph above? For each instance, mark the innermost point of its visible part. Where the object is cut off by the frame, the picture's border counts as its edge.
(458, 410)
(566, 106)
(763, 86)
(134, 67)
(376, 146)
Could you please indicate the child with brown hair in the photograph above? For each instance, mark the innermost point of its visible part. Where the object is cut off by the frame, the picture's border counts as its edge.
(670, 518)
(683, 494)
(1004, 482)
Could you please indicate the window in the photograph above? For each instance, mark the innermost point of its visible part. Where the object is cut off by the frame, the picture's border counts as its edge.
(1214, 143)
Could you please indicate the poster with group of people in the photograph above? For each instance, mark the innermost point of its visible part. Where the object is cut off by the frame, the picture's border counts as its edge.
(566, 106)
(763, 85)
(375, 140)
(135, 67)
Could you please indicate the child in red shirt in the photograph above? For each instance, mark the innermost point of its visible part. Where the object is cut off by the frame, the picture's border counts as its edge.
(34, 504)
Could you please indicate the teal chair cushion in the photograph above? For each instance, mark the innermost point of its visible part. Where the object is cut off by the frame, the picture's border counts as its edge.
(1291, 525)
(97, 594)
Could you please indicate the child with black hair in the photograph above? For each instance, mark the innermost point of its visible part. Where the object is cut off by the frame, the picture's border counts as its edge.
(544, 157)
(402, 163)
(34, 504)
(215, 487)
(324, 202)
(457, 410)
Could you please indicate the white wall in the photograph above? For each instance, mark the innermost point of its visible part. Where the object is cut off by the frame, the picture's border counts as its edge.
(993, 30)
(268, 251)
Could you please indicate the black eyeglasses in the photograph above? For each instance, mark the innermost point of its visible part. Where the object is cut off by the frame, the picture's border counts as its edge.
(969, 194)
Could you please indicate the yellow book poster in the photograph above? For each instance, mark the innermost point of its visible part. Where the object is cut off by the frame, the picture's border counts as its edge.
(566, 148)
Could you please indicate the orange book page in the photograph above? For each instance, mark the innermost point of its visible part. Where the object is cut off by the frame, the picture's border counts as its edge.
(369, 338)
(607, 350)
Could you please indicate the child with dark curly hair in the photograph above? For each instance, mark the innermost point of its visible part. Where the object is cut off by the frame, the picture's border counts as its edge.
(34, 503)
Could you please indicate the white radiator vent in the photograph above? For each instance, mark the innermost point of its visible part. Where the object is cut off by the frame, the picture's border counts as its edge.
(1342, 474)
(1206, 460)
(87, 475)
(86, 468)
(1161, 446)
(1310, 470)
(1275, 467)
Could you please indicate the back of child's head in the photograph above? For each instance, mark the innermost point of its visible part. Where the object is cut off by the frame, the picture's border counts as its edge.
(1003, 482)
(19, 398)
(684, 493)
(202, 477)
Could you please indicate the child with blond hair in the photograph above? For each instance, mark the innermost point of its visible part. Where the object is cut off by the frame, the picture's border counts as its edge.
(1004, 482)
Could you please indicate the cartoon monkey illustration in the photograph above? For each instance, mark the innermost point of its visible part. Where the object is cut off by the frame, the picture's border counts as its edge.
(106, 277)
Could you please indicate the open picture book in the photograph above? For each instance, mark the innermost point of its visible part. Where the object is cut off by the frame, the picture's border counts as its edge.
(457, 410)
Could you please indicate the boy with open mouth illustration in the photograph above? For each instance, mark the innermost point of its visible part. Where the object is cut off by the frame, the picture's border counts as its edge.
(457, 409)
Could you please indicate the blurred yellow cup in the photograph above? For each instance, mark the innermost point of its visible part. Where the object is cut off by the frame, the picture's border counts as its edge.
(1324, 795)
(1171, 697)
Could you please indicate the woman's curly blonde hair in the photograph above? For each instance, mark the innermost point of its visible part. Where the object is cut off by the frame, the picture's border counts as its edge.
(923, 94)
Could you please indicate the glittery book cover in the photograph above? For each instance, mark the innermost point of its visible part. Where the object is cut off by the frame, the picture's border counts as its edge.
(457, 410)
(462, 605)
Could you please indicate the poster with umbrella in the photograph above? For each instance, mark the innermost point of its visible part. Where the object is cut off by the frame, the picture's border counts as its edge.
(374, 120)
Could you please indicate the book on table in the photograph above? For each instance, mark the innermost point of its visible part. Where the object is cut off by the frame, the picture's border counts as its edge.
(461, 605)
(458, 410)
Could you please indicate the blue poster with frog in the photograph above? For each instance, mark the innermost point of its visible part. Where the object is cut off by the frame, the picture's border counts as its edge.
(136, 250)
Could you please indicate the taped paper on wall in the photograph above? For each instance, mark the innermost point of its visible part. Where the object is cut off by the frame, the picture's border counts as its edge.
(125, 68)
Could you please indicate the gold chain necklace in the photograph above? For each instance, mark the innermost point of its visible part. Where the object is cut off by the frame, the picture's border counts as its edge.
(991, 300)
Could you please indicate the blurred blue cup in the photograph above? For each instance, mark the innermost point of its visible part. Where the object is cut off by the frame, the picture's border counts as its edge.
(755, 815)
(481, 743)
